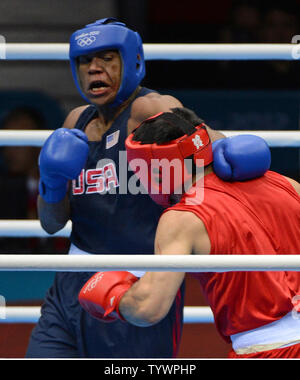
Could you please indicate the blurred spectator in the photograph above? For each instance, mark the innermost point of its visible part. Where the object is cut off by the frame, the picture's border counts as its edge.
(19, 183)
(279, 25)
(243, 24)
(20, 168)
(269, 23)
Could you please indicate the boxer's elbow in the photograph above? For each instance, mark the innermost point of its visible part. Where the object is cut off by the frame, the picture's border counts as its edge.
(142, 313)
(145, 317)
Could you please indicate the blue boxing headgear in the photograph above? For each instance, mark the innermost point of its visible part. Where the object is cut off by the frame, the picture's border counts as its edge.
(110, 34)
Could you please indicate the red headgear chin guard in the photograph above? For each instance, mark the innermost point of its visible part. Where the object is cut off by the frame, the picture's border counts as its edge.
(163, 169)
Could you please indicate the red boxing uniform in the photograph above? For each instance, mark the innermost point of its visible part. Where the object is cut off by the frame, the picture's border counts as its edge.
(257, 217)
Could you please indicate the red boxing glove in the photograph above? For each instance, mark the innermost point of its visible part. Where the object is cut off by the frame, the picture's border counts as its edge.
(101, 294)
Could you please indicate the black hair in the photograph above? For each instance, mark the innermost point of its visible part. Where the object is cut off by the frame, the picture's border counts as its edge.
(168, 127)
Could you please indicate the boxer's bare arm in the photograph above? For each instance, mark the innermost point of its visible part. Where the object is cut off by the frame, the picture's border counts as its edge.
(54, 216)
(149, 299)
(73, 116)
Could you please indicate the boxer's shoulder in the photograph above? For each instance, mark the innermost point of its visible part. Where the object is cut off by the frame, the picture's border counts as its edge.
(73, 117)
(150, 105)
(295, 184)
(187, 235)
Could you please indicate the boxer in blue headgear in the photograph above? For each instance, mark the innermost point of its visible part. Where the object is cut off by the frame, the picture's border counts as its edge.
(108, 65)
(110, 34)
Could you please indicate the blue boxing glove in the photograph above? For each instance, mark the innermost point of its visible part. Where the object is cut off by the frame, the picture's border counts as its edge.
(62, 158)
(241, 157)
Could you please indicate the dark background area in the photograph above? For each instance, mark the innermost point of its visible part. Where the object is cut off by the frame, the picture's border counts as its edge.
(193, 21)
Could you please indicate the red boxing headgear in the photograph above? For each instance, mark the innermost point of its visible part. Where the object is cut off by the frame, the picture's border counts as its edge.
(162, 169)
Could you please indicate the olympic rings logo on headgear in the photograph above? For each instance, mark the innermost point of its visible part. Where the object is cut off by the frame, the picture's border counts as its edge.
(86, 41)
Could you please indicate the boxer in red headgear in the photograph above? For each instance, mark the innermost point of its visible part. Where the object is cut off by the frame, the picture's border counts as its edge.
(160, 179)
(254, 311)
